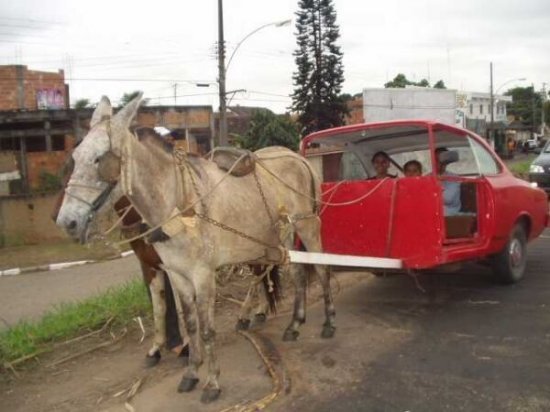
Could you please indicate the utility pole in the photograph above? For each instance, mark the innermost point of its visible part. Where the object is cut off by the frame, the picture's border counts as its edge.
(491, 104)
(221, 77)
(175, 94)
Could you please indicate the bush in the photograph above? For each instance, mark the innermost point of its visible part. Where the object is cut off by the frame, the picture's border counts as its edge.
(49, 182)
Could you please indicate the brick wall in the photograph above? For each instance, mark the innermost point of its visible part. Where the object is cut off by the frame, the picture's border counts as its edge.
(26, 220)
(38, 162)
(355, 107)
(8, 85)
(19, 86)
(174, 117)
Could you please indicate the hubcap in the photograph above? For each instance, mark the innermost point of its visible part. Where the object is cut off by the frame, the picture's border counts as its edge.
(516, 253)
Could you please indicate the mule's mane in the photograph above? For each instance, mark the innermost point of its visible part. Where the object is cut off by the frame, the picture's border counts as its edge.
(149, 135)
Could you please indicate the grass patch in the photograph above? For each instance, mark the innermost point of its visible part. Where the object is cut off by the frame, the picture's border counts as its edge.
(71, 319)
(520, 168)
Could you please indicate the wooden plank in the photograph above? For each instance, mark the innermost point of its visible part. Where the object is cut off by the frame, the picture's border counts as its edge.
(344, 260)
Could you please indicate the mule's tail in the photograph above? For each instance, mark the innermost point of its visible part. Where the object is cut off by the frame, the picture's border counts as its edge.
(272, 288)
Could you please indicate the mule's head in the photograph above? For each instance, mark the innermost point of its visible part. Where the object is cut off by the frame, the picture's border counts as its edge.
(96, 169)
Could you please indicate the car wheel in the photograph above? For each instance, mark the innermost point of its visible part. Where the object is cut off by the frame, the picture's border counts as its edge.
(509, 264)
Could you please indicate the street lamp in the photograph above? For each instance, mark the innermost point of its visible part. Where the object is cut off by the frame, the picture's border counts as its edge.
(520, 79)
(222, 68)
(492, 103)
(276, 24)
(492, 100)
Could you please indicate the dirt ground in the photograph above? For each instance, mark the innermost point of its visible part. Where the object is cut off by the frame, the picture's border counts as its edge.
(98, 372)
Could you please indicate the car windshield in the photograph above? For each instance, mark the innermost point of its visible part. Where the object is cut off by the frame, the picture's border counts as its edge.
(350, 155)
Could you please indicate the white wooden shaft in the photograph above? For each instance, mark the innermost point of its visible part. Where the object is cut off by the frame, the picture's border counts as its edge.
(344, 260)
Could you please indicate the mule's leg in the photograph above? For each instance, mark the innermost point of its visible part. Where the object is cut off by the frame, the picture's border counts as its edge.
(299, 314)
(185, 291)
(175, 325)
(157, 289)
(205, 285)
(244, 316)
(309, 231)
(260, 315)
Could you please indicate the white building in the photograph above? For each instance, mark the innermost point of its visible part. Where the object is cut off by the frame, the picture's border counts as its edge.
(475, 105)
(382, 104)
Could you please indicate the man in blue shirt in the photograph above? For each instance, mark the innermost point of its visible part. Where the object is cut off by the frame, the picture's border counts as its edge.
(451, 188)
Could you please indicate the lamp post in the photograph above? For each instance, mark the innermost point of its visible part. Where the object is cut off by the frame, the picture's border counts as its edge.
(492, 99)
(519, 79)
(222, 68)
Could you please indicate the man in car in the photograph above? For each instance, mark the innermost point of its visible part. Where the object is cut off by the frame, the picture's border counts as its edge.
(451, 189)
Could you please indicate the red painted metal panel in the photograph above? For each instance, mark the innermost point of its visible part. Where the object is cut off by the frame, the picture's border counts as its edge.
(368, 228)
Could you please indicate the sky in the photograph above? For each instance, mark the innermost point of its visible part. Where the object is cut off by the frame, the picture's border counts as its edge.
(168, 47)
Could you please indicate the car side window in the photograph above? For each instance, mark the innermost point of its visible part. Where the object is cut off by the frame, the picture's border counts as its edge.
(466, 164)
(486, 162)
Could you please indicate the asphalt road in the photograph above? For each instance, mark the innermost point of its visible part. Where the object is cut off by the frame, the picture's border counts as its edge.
(464, 345)
(29, 296)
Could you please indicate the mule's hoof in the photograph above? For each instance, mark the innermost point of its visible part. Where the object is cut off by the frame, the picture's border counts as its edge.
(152, 360)
(260, 317)
(242, 324)
(210, 395)
(290, 335)
(328, 331)
(187, 384)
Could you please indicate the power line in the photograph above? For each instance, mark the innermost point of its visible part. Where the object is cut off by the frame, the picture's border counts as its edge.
(115, 79)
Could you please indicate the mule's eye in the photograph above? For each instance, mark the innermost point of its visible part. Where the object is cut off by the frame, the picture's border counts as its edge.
(96, 160)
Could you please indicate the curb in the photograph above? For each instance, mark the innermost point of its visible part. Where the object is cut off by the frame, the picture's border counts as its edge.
(57, 266)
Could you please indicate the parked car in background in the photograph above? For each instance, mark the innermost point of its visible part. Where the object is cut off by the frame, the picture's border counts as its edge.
(406, 218)
(531, 144)
(539, 171)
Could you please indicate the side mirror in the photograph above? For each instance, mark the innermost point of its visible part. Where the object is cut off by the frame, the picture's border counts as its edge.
(448, 156)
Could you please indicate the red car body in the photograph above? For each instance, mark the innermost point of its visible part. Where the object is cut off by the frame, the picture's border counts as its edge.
(403, 217)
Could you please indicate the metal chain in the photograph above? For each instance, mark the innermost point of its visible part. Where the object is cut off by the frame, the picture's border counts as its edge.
(263, 198)
(232, 230)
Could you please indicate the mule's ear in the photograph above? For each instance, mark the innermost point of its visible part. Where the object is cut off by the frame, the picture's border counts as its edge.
(102, 111)
(128, 112)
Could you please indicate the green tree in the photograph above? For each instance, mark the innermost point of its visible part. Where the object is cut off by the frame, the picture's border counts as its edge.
(423, 83)
(82, 103)
(128, 97)
(440, 85)
(320, 74)
(401, 81)
(525, 103)
(269, 129)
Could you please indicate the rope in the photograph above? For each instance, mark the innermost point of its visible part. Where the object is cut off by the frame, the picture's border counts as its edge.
(350, 202)
(189, 207)
(119, 220)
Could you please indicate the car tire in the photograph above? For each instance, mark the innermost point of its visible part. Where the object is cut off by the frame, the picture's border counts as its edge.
(509, 264)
